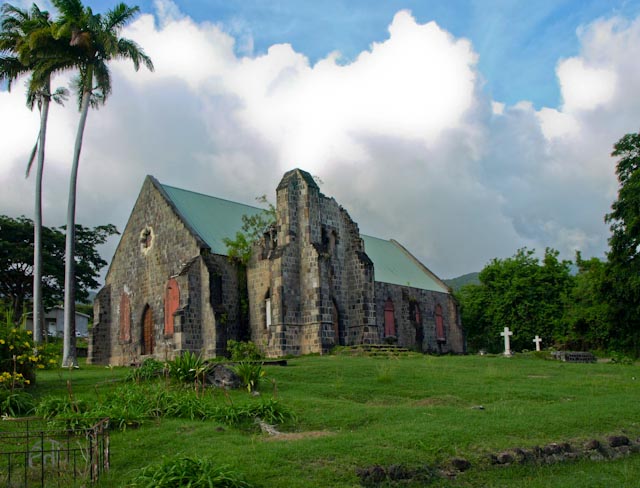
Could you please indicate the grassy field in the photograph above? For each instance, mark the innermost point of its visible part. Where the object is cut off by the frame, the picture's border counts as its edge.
(354, 412)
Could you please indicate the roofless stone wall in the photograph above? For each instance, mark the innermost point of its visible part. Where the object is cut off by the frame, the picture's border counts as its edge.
(311, 287)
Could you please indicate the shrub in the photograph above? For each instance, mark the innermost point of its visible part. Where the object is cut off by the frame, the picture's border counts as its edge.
(187, 368)
(619, 358)
(187, 471)
(270, 411)
(148, 370)
(243, 351)
(19, 354)
(15, 403)
(251, 374)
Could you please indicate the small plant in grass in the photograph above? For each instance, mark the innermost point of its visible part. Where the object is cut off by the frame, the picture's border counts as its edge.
(150, 369)
(188, 471)
(187, 368)
(251, 375)
(243, 351)
(270, 411)
(15, 403)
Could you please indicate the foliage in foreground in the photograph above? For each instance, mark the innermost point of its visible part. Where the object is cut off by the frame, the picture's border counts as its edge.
(131, 405)
(243, 351)
(188, 471)
(251, 375)
(19, 356)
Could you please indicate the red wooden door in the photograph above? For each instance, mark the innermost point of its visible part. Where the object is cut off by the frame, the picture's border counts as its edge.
(147, 331)
(389, 319)
(171, 304)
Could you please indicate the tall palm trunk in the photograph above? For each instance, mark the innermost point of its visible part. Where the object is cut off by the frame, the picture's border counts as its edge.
(38, 308)
(69, 354)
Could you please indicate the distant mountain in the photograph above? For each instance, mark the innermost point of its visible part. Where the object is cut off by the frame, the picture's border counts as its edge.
(466, 279)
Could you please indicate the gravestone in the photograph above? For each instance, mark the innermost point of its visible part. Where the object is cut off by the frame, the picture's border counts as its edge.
(507, 343)
(537, 340)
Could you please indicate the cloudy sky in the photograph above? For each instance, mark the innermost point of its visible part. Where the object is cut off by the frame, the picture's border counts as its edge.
(464, 129)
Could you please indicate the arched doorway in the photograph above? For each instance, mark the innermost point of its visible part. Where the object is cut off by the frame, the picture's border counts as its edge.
(147, 331)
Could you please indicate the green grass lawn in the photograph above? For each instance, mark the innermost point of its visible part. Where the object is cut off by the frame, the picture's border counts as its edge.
(353, 412)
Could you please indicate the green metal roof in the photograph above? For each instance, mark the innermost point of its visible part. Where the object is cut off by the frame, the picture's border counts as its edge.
(393, 264)
(212, 218)
(215, 218)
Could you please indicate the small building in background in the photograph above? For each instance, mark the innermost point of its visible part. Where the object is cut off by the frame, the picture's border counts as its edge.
(54, 323)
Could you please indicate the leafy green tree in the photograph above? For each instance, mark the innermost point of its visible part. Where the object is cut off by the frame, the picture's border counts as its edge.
(96, 37)
(521, 293)
(27, 46)
(622, 286)
(16, 263)
(587, 317)
(253, 228)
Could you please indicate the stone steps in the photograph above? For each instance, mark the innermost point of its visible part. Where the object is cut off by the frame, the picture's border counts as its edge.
(375, 350)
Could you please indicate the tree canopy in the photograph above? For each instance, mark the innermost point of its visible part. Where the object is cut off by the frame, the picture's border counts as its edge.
(622, 285)
(16, 262)
(520, 292)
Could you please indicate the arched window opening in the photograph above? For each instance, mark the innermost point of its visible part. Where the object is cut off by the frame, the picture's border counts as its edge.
(267, 309)
(147, 342)
(125, 318)
(171, 305)
(389, 319)
(439, 324)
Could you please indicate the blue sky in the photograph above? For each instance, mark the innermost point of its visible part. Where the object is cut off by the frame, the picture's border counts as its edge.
(519, 42)
(464, 129)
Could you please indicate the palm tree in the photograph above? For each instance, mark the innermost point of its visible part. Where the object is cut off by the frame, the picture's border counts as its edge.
(96, 37)
(27, 45)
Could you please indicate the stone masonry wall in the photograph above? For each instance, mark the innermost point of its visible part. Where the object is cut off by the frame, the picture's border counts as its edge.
(317, 277)
(420, 336)
(155, 246)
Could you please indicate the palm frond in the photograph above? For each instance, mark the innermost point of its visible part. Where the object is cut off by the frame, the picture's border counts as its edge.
(119, 16)
(128, 49)
(32, 157)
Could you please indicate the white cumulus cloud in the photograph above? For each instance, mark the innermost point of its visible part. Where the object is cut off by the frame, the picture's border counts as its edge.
(403, 136)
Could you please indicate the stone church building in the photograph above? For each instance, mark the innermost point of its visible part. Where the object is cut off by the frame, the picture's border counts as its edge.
(313, 282)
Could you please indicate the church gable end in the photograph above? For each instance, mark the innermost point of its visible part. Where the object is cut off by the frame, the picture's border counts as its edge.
(155, 249)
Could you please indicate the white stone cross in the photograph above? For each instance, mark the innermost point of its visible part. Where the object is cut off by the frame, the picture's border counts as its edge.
(537, 340)
(507, 343)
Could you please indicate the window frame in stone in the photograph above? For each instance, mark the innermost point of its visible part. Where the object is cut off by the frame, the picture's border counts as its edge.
(268, 320)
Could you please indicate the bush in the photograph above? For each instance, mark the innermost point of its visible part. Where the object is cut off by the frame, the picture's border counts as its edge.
(19, 356)
(187, 471)
(243, 351)
(149, 369)
(251, 374)
(619, 358)
(15, 403)
(187, 368)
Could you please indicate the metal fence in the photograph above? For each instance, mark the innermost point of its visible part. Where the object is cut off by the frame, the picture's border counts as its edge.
(34, 452)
